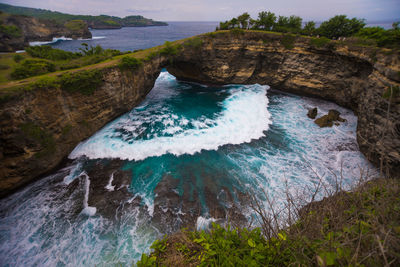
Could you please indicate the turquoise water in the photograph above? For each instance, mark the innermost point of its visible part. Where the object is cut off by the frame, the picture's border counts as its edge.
(209, 147)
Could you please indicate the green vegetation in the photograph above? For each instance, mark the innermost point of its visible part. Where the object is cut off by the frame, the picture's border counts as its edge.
(194, 42)
(32, 67)
(47, 52)
(170, 49)
(102, 21)
(75, 25)
(288, 41)
(358, 228)
(340, 26)
(84, 82)
(10, 30)
(319, 42)
(17, 58)
(130, 63)
(336, 27)
(44, 59)
(237, 31)
(384, 38)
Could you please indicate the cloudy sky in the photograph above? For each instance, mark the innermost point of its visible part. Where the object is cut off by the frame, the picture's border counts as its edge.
(218, 10)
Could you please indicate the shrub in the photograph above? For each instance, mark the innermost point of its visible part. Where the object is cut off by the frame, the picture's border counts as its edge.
(319, 42)
(84, 82)
(152, 55)
(45, 83)
(195, 42)
(129, 63)
(288, 41)
(169, 49)
(384, 38)
(47, 52)
(357, 228)
(237, 31)
(32, 67)
(10, 30)
(17, 58)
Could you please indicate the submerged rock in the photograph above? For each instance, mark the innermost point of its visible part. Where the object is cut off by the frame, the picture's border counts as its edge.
(329, 119)
(312, 113)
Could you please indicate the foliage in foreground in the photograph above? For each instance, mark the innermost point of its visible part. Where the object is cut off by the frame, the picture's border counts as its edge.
(359, 228)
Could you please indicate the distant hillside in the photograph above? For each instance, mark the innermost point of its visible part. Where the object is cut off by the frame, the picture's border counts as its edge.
(16, 31)
(94, 22)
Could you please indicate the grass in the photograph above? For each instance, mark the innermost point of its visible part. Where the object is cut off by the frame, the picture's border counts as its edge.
(9, 88)
(356, 228)
(319, 42)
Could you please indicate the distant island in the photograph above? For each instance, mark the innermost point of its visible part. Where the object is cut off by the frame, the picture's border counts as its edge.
(21, 25)
(94, 22)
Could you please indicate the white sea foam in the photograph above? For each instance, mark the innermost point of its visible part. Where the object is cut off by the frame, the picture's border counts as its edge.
(203, 223)
(109, 186)
(55, 39)
(89, 211)
(244, 117)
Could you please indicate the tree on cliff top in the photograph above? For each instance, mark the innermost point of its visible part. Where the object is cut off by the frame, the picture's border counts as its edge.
(266, 20)
(341, 26)
(244, 20)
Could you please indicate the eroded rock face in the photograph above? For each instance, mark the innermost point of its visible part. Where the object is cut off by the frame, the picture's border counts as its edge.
(41, 127)
(354, 77)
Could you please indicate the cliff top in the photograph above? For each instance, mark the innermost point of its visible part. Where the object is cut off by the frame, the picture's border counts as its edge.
(381, 58)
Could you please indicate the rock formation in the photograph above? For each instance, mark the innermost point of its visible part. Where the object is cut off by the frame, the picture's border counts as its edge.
(351, 77)
(31, 29)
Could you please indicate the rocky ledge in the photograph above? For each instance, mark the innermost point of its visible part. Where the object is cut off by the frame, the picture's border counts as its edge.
(353, 76)
(40, 127)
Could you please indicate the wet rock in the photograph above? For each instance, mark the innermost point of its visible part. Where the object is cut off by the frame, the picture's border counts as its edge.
(110, 202)
(312, 113)
(329, 119)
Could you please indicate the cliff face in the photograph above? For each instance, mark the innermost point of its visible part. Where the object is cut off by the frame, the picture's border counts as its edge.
(42, 126)
(355, 78)
(32, 29)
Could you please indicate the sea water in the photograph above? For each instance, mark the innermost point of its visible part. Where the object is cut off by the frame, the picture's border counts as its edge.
(245, 139)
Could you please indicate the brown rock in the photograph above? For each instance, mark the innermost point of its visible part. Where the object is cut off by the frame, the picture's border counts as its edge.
(312, 113)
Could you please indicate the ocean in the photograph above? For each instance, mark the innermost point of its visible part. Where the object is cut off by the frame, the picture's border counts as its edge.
(188, 155)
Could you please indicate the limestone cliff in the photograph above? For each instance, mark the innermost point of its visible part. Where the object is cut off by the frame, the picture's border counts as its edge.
(28, 29)
(41, 127)
(352, 76)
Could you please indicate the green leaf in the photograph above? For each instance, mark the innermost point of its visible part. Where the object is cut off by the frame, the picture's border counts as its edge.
(251, 243)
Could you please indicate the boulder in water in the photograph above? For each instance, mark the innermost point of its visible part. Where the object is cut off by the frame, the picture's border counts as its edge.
(312, 113)
(327, 120)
